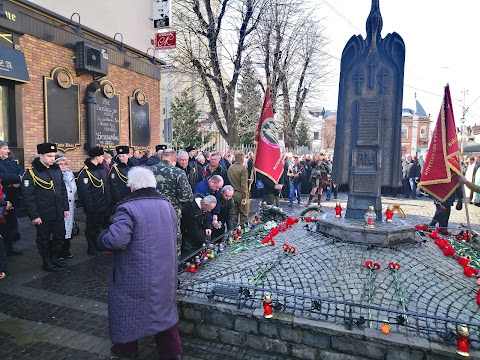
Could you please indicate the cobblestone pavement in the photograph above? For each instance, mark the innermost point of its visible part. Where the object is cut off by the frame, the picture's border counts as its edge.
(64, 315)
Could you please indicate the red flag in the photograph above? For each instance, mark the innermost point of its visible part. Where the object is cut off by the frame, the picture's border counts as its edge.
(268, 159)
(439, 176)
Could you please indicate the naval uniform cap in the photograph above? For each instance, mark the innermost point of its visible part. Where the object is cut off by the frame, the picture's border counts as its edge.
(95, 151)
(45, 148)
(122, 150)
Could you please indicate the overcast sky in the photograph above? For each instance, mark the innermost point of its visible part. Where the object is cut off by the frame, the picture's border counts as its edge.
(441, 41)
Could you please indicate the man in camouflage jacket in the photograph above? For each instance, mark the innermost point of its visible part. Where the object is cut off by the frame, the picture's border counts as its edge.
(172, 182)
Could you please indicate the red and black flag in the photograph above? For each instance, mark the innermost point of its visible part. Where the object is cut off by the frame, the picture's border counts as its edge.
(442, 168)
(268, 157)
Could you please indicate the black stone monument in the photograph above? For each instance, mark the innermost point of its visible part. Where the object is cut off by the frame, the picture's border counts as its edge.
(139, 120)
(62, 109)
(368, 134)
(103, 115)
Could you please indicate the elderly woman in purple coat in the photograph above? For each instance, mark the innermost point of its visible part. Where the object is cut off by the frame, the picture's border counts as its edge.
(142, 286)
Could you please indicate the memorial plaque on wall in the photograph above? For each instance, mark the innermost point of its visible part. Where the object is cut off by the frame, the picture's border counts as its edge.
(62, 109)
(139, 120)
(106, 126)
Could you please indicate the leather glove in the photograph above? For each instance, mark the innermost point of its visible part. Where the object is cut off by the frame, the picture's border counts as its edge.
(459, 205)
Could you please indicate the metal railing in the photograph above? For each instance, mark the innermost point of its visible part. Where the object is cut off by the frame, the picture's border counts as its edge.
(351, 314)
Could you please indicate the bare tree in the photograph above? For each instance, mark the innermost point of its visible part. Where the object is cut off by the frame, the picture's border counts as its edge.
(293, 59)
(329, 133)
(213, 37)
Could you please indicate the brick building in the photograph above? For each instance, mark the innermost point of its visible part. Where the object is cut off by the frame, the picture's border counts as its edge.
(43, 93)
(415, 131)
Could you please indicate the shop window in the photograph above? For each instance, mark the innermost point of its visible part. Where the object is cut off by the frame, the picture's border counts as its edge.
(4, 110)
(8, 130)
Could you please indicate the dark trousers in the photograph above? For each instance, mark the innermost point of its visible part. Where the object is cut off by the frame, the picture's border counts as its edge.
(406, 187)
(93, 226)
(442, 215)
(168, 344)
(9, 229)
(50, 238)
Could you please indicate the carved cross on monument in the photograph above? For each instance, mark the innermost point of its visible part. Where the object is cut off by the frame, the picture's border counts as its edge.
(368, 132)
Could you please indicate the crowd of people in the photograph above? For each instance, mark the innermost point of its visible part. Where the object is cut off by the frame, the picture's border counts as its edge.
(194, 199)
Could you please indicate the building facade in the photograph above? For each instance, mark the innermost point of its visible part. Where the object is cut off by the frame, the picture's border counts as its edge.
(415, 131)
(74, 85)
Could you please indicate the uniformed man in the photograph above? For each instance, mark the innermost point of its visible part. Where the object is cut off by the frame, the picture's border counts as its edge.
(192, 151)
(46, 201)
(11, 174)
(173, 184)
(238, 176)
(94, 194)
(119, 176)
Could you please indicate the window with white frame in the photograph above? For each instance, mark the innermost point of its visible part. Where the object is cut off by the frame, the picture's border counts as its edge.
(404, 132)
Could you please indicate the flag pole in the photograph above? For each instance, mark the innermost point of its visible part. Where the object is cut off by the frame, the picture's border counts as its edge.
(469, 227)
(252, 175)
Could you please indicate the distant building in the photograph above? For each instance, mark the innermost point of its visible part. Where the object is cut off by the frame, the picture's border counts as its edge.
(322, 124)
(415, 131)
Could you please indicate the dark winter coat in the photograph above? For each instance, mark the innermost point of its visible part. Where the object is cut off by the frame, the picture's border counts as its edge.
(10, 173)
(194, 223)
(151, 161)
(226, 213)
(414, 170)
(269, 185)
(143, 283)
(208, 173)
(40, 198)
(191, 173)
(203, 189)
(118, 178)
(93, 194)
(3, 253)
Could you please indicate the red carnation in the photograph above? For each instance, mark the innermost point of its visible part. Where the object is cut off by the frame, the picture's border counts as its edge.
(463, 261)
(449, 251)
(376, 265)
(293, 249)
(266, 240)
(468, 271)
(369, 264)
(205, 172)
(308, 219)
(272, 242)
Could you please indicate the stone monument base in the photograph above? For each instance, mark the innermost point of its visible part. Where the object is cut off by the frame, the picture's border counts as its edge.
(358, 204)
(392, 233)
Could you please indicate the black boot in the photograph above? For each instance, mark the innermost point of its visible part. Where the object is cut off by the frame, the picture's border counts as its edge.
(49, 266)
(59, 264)
(66, 250)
